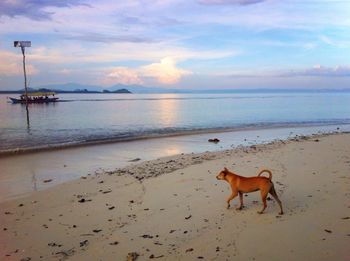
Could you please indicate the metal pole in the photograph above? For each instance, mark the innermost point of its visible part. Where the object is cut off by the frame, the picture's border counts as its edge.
(25, 84)
(25, 74)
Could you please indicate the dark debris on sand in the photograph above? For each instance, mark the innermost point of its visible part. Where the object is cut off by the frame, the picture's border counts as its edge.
(84, 243)
(132, 256)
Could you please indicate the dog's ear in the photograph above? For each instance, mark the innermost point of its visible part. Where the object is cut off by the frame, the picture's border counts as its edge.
(225, 169)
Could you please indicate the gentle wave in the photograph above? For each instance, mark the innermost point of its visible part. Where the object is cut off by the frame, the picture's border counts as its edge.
(159, 133)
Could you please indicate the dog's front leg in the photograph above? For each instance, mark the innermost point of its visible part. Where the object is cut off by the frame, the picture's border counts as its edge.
(233, 195)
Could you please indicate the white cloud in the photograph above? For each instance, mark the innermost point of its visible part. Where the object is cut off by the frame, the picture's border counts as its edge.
(314, 71)
(322, 71)
(122, 75)
(78, 53)
(11, 65)
(339, 43)
(165, 71)
(65, 71)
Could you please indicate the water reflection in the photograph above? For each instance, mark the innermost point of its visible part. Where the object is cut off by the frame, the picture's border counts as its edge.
(168, 110)
(170, 151)
(34, 181)
(28, 121)
(38, 109)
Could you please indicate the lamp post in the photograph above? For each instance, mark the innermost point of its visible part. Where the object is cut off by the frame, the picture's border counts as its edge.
(23, 45)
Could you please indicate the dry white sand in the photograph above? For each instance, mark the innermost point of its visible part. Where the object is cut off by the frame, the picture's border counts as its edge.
(174, 209)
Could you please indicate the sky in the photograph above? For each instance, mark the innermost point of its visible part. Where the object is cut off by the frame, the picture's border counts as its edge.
(185, 44)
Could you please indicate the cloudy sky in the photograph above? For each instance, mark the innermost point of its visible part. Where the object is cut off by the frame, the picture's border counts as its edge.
(194, 44)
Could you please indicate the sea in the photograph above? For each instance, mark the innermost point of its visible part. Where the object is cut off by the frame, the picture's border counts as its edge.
(102, 118)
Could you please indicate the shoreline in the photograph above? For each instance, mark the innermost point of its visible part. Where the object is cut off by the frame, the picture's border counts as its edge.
(174, 208)
(186, 160)
(23, 174)
(81, 144)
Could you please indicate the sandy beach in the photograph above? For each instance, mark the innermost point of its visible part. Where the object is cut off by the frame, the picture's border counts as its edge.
(173, 208)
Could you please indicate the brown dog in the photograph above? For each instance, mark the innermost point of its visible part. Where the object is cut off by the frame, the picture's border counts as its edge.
(240, 185)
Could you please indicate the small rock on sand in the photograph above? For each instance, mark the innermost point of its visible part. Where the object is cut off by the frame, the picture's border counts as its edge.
(84, 243)
(82, 200)
(147, 236)
(215, 140)
(132, 256)
(134, 160)
(153, 256)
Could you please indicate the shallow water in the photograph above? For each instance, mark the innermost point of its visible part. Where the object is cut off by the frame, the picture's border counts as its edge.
(24, 173)
(100, 117)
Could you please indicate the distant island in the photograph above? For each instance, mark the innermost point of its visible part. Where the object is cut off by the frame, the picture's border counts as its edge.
(30, 90)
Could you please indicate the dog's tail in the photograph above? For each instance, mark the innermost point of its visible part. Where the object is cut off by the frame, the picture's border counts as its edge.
(268, 171)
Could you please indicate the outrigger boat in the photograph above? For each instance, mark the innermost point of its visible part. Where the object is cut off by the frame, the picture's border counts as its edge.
(36, 97)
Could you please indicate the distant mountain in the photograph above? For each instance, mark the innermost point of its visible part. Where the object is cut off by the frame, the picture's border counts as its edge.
(140, 89)
(95, 88)
(72, 87)
(69, 88)
(29, 90)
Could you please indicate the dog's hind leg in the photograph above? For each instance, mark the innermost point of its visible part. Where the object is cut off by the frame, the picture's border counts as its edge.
(274, 195)
(241, 201)
(233, 195)
(263, 198)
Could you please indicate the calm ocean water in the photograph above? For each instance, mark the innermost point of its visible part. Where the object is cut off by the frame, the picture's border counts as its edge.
(102, 117)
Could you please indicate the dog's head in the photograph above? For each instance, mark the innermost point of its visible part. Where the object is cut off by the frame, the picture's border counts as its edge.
(222, 174)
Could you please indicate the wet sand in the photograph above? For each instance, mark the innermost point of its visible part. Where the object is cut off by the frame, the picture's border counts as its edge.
(173, 208)
(25, 173)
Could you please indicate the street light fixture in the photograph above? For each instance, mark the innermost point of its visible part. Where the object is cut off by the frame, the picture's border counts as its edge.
(23, 45)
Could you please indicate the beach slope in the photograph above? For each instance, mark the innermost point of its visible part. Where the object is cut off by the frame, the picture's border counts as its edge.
(174, 209)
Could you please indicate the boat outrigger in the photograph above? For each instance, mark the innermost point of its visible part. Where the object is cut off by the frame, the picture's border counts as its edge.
(36, 97)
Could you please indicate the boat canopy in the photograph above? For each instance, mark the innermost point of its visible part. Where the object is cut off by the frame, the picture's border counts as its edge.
(31, 94)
